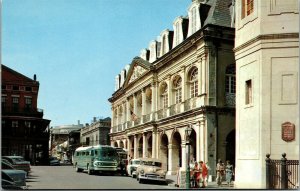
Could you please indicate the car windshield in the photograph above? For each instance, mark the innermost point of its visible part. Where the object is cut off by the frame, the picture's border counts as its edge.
(136, 162)
(19, 159)
(151, 163)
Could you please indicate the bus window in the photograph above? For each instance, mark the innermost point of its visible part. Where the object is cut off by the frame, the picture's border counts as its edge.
(96, 153)
(83, 153)
(87, 153)
(92, 153)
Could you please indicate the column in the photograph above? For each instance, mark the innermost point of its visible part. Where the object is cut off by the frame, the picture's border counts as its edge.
(143, 101)
(170, 159)
(124, 112)
(170, 101)
(184, 87)
(135, 150)
(112, 120)
(144, 146)
(183, 154)
(135, 104)
(198, 144)
(154, 142)
(127, 110)
(203, 139)
(203, 75)
(154, 100)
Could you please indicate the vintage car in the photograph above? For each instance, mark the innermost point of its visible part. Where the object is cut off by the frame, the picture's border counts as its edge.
(53, 161)
(18, 176)
(150, 170)
(18, 162)
(7, 183)
(131, 167)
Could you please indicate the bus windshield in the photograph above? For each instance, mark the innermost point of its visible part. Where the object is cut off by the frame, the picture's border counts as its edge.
(108, 153)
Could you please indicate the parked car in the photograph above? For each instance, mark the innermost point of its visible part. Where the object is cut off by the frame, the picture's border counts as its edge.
(151, 169)
(18, 176)
(8, 183)
(18, 162)
(53, 161)
(132, 166)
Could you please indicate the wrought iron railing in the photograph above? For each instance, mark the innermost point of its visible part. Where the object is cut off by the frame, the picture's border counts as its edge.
(282, 174)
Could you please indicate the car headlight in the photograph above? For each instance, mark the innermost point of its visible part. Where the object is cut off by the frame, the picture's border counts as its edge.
(142, 172)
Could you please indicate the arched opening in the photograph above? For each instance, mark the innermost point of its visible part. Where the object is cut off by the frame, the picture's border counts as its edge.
(131, 152)
(164, 151)
(230, 147)
(177, 156)
(193, 147)
(149, 153)
(121, 144)
(115, 144)
(140, 148)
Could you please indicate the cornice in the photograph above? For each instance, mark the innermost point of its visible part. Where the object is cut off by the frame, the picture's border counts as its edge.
(266, 37)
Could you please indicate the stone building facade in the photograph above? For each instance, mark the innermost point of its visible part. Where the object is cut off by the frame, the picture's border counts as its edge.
(185, 78)
(267, 100)
(96, 133)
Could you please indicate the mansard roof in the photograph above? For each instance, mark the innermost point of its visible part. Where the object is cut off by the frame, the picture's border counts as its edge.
(219, 13)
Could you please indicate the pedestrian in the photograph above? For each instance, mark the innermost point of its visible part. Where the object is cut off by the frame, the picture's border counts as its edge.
(204, 174)
(196, 174)
(229, 172)
(220, 172)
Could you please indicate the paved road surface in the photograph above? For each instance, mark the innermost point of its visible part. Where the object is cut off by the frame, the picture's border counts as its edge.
(65, 177)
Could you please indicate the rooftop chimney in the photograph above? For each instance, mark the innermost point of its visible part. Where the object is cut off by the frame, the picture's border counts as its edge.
(34, 77)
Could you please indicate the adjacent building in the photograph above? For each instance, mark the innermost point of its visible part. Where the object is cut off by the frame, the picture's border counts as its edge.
(24, 131)
(185, 78)
(64, 139)
(267, 79)
(96, 133)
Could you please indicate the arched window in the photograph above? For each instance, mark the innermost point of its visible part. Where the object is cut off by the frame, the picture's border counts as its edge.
(230, 85)
(164, 95)
(178, 89)
(194, 82)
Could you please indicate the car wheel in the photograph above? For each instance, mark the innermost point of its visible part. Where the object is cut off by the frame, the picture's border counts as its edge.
(141, 181)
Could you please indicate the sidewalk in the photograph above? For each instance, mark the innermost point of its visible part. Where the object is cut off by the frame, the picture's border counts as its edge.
(211, 185)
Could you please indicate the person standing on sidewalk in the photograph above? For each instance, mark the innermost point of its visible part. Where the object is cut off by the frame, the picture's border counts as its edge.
(204, 174)
(220, 172)
(229, 172)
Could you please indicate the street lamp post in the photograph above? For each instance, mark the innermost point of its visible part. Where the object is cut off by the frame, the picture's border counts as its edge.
(188, 132)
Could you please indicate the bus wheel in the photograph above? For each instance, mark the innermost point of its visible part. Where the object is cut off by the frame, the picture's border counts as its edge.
(90, 171)
(77, 169)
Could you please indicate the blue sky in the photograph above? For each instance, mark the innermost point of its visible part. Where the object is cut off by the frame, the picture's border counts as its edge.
(77, 47)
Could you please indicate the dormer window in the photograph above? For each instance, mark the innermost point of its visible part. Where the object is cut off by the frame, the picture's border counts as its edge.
(166, 44)
(194, 19)
(153, 53)
(177, 33)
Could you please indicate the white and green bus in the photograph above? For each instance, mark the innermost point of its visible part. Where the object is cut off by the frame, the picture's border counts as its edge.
(99, 158)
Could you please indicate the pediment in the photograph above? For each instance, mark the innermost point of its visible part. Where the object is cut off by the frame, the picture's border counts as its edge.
(137, 69)
(136, 73)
